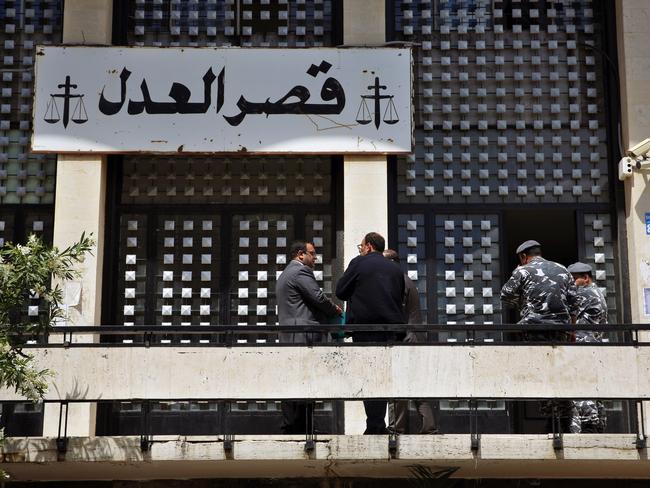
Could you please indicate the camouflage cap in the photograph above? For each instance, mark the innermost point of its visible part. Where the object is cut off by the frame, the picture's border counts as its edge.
(527, 245)
(579, 268)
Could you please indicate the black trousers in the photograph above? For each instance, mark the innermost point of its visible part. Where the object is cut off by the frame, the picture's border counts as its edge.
(375, 416)
(297, 417)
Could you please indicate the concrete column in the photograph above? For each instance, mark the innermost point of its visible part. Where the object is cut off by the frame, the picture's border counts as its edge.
(364, 22)
(634, 68)
(633, 37)
(79, 207)
(365, 197)
(365, 194)
(88, 22)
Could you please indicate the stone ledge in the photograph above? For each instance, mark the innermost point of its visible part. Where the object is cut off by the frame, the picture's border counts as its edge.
(352, 373)
(176, 457)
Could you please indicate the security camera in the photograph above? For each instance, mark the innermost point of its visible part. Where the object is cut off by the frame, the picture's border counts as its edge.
(642, 163)
(640, 149)
(638, 157)
(625, 167)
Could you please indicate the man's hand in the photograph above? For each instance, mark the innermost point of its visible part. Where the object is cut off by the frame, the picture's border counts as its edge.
(339, 310)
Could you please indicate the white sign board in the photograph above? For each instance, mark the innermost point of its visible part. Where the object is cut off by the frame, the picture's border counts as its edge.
(207, 100)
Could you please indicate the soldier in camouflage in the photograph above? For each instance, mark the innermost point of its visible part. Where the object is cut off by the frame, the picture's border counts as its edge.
(545, 294)
(590, 417)
(592, 310)
(592, 306)
(544, 291)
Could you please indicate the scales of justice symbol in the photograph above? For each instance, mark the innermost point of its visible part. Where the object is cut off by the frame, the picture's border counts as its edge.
(79, 114)
(364, 116)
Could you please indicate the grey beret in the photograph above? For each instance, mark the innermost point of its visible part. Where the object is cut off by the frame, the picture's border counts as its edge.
(579, 268)
(527, 245)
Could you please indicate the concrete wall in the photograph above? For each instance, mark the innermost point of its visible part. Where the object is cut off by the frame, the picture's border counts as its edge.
(633, 18)
(345, 372)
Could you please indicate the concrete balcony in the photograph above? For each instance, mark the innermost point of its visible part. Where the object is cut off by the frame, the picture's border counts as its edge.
(500, 456)
(348, 372)
(87, 373)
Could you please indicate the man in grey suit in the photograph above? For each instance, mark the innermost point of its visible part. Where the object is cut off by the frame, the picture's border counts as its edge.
(301, 302)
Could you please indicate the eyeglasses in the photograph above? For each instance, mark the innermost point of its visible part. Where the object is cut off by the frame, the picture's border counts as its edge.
(311, 253)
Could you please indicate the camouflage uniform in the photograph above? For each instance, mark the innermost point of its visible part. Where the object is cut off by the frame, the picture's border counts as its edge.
(591, 310)
(546, 294)
(543, 290)
(590, 415)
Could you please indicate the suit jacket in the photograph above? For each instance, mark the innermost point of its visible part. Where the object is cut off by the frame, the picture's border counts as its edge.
(301, 301)
(373, 286)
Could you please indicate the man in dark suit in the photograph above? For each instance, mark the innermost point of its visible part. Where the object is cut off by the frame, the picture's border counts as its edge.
(301, 302)
(374, 289)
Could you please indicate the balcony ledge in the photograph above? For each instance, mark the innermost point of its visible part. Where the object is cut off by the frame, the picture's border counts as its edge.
(184, 457)
(354, 373)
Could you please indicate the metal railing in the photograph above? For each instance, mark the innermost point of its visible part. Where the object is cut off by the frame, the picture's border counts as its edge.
(328, 335)
(223, 432)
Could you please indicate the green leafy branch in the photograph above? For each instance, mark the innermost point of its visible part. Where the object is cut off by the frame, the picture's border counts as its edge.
(27, 272)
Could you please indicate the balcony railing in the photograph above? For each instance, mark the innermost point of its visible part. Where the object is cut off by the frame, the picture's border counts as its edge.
(267, 335)
(221, 366)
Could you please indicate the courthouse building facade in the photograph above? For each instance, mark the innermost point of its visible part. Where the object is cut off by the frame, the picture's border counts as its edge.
(521, 111)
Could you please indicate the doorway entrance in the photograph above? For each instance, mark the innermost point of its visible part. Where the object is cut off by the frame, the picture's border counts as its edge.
(555, 229)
